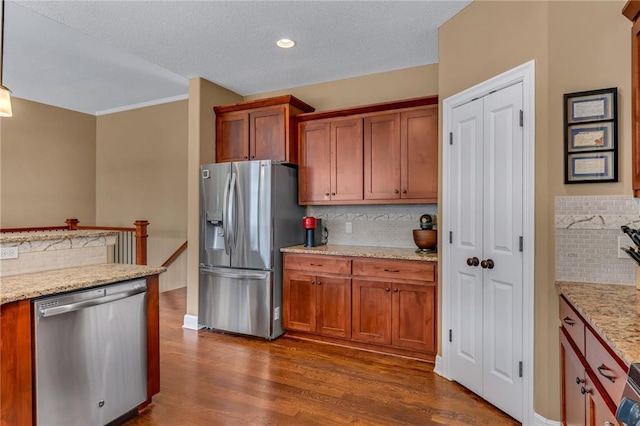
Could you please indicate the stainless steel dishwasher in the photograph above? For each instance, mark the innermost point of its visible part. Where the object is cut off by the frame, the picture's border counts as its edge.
(91, 354)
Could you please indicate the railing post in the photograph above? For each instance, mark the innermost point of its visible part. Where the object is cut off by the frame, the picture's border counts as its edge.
(72, 224)
(141, 241)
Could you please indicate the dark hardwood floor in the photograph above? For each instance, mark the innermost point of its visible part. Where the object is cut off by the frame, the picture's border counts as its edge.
(216, 379)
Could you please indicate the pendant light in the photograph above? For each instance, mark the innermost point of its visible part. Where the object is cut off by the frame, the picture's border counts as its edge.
(5, 94)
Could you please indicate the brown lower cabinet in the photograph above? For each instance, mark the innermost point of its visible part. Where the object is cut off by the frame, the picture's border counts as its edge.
(585, 400)
(378, 304)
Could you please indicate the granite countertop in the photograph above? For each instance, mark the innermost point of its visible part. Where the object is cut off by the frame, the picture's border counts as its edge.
(613, 310)
(363, 251)
(28, 286)
(21, 237)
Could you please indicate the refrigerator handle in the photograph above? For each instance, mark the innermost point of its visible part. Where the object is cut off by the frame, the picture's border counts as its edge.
(232, 225)
(225, 217)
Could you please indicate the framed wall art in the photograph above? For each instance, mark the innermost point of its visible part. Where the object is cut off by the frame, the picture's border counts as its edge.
(591, 136)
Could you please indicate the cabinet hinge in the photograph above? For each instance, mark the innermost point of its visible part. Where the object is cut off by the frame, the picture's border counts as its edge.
(520, 369)
(521, 243)
(450, 237)
(450, 138)
(521, 118)
(450, 335)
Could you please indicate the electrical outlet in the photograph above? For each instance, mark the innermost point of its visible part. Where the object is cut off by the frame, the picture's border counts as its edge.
(348, 228)
(623, 241)
(8, 253)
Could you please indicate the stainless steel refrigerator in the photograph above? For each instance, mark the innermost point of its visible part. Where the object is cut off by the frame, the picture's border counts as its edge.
(248, 211)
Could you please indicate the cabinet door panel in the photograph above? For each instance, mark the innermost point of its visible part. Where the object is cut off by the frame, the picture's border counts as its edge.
(333, 306)
(232, 137)
(346, 160)
(571, 372)
(315, 162)
(382, 157)
(419, 153)
(267, 135)
(371, 311)
(598, 410)
(413, 317)
(299, 301)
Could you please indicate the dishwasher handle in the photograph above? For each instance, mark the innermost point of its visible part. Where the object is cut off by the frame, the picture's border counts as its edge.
(57, 310)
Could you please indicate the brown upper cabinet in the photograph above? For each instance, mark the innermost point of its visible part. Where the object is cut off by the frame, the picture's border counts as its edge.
(632, 11)
(258, 130)
(376, 154)
(331, 151)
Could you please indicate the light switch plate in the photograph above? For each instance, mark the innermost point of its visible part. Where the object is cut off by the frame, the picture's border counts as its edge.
(8, 253)
(348, 228)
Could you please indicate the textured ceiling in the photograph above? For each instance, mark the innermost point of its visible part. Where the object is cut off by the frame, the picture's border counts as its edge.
(99, 56)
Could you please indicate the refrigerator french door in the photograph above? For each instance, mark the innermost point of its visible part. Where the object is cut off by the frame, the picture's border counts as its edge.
(248, 211)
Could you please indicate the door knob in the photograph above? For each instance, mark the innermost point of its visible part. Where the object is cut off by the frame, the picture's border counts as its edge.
(487, 264)
(473, 261)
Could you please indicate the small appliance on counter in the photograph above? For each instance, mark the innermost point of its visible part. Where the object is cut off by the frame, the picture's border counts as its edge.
(633, 252)
(426, 238)
(315, 233)
(629, 408)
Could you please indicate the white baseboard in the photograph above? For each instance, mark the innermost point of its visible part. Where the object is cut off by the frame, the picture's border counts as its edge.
(538, 420)
(190, 322)
(438, 367)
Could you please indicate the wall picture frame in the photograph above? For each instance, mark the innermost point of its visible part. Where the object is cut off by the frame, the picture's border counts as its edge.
(591, 136)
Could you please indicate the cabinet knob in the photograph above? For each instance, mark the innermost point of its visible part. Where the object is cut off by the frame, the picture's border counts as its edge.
(326, 194)
(246, 158)
(387, 289)
(579, 381)
(404, 191)
(333, 193)
(585, 391)
(396, 191)
(253, 156)
(319, 282)
(313, 282)
(395, 290)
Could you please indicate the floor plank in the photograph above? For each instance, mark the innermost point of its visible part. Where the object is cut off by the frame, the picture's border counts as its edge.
(210, 378)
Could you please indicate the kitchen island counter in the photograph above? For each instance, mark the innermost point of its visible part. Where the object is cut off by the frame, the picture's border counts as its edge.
(613, 310)
(29, 286)
(24, 237)
(363, 251)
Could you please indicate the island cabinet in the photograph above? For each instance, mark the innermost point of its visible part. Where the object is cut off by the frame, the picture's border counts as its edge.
(258, 130)
(317, 295)
(376, 154)
(592, 375)
(376, 304)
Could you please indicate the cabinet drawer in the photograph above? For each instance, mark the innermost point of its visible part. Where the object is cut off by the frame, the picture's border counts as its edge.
(605, 366)
(321, 264)
(572, 323)
(402, 269)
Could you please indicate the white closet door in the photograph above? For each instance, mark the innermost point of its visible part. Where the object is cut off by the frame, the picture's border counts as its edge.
(486, 207)
(466, 157)
(502, 231)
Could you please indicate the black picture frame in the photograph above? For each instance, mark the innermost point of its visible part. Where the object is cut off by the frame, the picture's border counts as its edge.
(591, 136)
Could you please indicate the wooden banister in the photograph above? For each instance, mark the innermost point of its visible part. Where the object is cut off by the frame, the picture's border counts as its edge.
(141, 241)
(175, 254)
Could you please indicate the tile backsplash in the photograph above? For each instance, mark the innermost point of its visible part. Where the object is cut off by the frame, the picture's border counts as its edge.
(373, 225)
(587, 230)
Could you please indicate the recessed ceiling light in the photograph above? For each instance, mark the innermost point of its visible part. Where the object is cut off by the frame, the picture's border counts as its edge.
(285, 43)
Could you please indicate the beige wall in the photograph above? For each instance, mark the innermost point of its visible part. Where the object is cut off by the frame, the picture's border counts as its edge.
(572, 53)
(141, 173)
(369, 89)
(48, 166)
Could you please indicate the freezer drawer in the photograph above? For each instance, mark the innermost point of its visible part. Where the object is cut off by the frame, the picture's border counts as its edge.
(238, 301)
